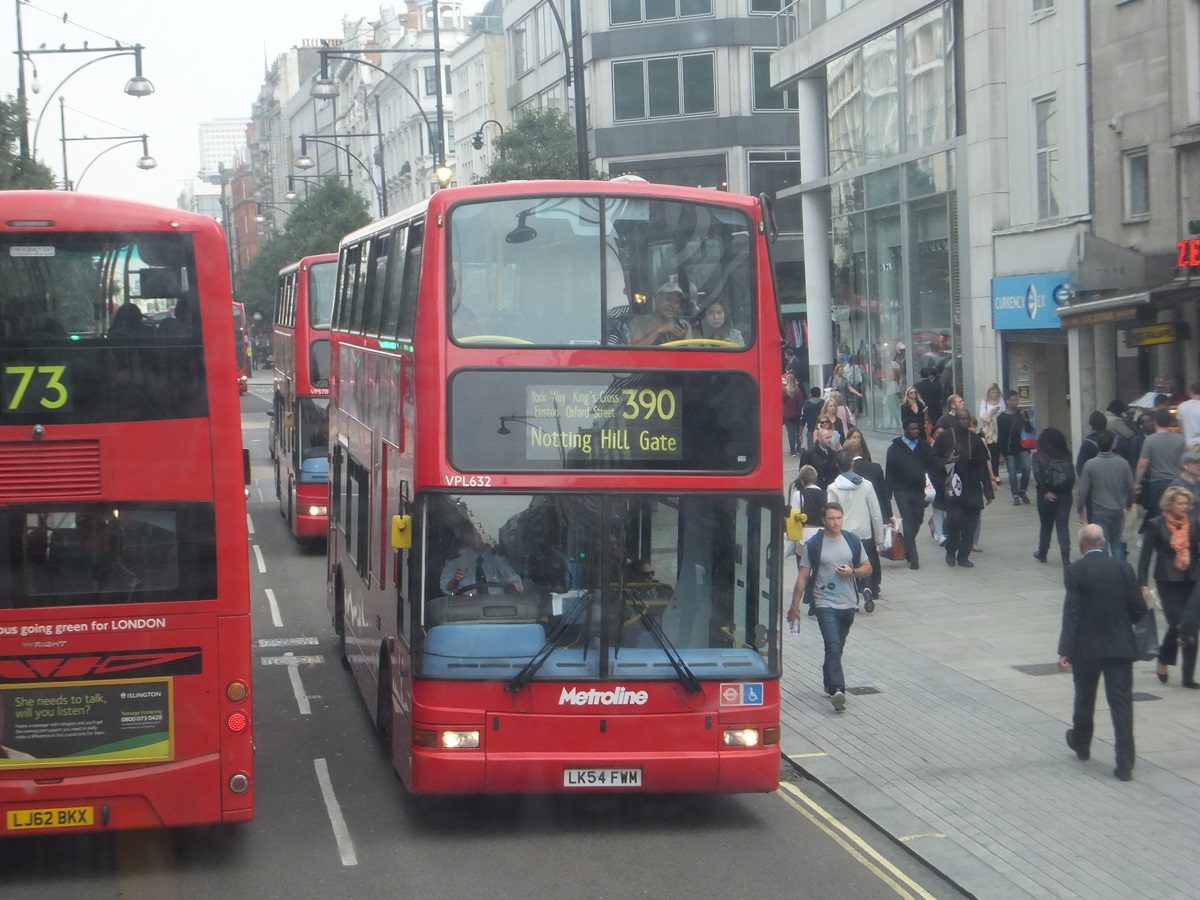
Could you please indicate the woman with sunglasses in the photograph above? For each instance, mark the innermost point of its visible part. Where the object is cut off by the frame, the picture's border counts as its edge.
(913, 409)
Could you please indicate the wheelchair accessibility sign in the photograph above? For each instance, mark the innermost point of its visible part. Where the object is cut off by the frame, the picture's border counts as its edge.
(742, 694)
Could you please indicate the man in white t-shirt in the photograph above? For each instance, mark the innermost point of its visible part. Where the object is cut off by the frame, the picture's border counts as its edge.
(1188, 415)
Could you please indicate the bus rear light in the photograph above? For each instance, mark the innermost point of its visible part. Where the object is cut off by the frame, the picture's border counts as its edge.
(237, 722)
(771, 735)
(239, 783)
(741, 737)
(236, 691)
(318, 510)
(460, 740)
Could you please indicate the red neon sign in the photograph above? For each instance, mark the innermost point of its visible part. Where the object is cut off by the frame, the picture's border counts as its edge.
(1189, 253)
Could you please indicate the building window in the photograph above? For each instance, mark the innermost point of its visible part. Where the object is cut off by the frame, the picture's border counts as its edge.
(1136, 164)
(664, 87)
(520, 39)
(766, 6)
(549, 41)
(430, 73)
(630, 12)
(765, 96)
(1043, 6)
(770, 172)
(1045, 113)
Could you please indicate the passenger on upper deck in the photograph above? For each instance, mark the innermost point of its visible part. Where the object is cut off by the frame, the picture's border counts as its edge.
(664, 323)
(715, 324)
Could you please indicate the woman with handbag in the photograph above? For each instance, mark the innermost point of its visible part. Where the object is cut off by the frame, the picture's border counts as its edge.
(1172, 539)
(1054, 480)
(990, 408)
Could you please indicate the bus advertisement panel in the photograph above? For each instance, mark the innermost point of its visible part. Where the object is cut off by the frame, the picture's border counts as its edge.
(124, 619)
(556, 525)
(300, 407)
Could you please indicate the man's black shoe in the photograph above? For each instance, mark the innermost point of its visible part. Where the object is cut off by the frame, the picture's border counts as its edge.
(1123, 774)
(1083, 755)
(950, 560)
(966, 564)
(914, 565)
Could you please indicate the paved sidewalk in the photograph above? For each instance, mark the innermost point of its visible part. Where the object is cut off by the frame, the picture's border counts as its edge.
(955, 751)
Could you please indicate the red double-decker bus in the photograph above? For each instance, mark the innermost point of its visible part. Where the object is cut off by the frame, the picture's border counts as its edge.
(555, 513)
(300, 434)
(124, 613)
(240, 343)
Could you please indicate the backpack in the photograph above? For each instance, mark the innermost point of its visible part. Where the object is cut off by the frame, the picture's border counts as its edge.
(814, 545)
(1060, 476)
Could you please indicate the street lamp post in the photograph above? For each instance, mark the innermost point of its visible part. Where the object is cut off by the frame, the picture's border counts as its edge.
(573, 54)
(304, 161)
(477, 139)
(145, 162)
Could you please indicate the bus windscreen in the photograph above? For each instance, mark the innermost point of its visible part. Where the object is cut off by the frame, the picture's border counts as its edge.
(580, 271)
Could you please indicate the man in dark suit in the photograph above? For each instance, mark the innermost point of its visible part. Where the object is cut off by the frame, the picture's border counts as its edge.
(1103, 601)
(908, 465)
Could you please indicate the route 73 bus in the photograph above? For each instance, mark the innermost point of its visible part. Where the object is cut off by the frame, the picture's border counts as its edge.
(300, 433)
(124, 589)
(556, 520)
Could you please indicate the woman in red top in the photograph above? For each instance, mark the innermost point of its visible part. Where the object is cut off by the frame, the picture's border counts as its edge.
(793, 402)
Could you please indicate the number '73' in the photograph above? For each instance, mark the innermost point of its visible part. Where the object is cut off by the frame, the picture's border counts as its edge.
(54, 392)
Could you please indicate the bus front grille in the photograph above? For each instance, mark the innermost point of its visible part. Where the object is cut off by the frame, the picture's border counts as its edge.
(64, 470)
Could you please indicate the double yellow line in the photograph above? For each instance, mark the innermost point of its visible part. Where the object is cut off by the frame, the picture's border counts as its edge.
(858, 848)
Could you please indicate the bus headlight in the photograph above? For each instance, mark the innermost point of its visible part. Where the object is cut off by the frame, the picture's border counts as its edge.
(740, 737)
(460, 740)
(318, 510)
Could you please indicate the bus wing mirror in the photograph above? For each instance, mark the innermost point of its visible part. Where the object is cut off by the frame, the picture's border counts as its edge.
(401, 532)
(795, 525)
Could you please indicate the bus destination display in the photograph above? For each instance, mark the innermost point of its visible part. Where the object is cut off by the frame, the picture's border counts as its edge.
(640, 422)
(677, 420)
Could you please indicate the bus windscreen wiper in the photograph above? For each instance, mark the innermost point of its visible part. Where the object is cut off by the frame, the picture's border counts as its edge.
(553, 639)
(686, 676)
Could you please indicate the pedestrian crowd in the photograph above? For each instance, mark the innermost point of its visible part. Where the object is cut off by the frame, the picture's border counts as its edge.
(848, 510)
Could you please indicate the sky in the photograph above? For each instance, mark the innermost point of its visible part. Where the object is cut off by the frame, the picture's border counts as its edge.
(206, 61)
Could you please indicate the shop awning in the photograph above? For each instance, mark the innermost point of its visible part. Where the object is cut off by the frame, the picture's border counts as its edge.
(1105, 309)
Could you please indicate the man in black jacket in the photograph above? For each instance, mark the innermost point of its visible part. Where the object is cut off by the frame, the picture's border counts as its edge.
(1103, 601)
(964, 457)
(908, 463)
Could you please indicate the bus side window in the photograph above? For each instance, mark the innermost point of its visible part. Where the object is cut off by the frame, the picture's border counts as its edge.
(390, 298)
(412, 280)
(373, 291)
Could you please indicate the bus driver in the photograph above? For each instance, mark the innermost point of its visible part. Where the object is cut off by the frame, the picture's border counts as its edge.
(479, 568)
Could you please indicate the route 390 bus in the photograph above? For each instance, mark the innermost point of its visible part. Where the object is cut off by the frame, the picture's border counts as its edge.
(555, 542)
(124, 589)
(300, 433)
